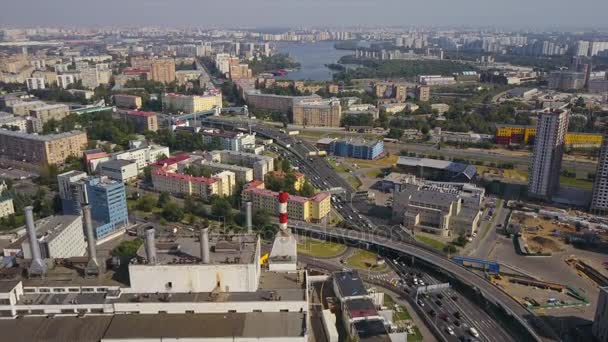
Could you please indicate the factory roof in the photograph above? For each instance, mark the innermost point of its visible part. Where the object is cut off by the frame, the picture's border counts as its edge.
(466, 169)
(349, 284)
(49, 137)
(173, 160)
(399, 178)
(430, 196)
(116, 163)
(227, 325)
(371, 331)
(154, 326)
(54, 226)
(57, 329)
(224, 249)
(51, 106)
(28, 103)
(8, 285)
(169, 174)
(326, 141)
(360, 142)
(358, 308)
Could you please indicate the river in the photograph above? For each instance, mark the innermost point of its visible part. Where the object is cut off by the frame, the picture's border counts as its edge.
(312, 58)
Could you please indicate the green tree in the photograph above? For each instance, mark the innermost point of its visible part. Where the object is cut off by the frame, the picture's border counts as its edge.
(163, 199)
(172, 212)
(127, 249)
(221, 207)
(307, 189)
(260, 218)
(146, 203)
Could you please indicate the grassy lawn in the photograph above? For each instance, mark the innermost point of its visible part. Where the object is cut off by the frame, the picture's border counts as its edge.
(382, 162)
(415, 337)
(354, 181)
(362, 260)
(430, 242)
(375, 173)
(320, 248)
(575, 183)
(338, 167)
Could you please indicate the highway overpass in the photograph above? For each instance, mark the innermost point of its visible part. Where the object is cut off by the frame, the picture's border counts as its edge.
(493, 294)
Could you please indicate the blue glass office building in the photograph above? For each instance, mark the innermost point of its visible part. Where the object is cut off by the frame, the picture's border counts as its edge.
(108, 202)
(360, 149)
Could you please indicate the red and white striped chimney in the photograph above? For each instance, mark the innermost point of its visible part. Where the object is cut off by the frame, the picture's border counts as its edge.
(283, 197)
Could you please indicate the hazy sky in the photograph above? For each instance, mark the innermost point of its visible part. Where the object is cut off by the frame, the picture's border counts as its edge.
(273, 13)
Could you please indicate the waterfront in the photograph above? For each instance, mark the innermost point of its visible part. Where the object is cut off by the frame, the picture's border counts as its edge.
(312, 57)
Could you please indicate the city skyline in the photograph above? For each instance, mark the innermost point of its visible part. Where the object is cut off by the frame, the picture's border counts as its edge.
(269, 13)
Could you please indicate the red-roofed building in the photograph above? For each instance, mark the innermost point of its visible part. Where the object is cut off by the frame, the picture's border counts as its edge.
(300, 179)
(171, 162)
(167, 180)
(313, 209)
(143, 121)
(92, 158)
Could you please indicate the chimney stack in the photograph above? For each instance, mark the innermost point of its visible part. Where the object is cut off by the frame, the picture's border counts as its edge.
(204, 234)
(93, 264)
(283, 197)
(150, 246)
(248, 206)
(37, 267)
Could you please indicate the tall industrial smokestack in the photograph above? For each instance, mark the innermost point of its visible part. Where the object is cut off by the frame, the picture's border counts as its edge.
(205, 256)
(37, 267)
(150, 245)
(283, 197)
(248, 206)
(93, 264)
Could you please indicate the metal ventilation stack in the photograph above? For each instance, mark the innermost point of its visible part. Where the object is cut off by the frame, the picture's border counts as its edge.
(93, 268)
(150, 245)
(249, 215)
(205, 252)
(37, 267)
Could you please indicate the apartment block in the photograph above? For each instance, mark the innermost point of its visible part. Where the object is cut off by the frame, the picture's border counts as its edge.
(243, 174)
(279, 103)
(220, 184)
(313, 112)
(119, 170)
(43, 149)
(163, 70)
(233, 141)
(6, 206)
(22, 108)
(240, 71)
(308, 209)
(599, 197)
(10, 121)
(127, 101)
(35, 83)
(143, 121)
(48, 112)
(142, 156)
(261, 165)
(423, 93)
(600, 323)
(546, 162)
(191, 103)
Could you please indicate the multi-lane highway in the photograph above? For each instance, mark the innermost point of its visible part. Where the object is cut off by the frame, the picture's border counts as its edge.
(490, 292)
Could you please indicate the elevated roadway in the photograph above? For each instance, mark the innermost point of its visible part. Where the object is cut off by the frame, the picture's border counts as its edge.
(490, 292)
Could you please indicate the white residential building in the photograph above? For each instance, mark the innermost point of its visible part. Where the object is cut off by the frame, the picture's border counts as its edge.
(58, 237)
(599, 199)
(34, 83)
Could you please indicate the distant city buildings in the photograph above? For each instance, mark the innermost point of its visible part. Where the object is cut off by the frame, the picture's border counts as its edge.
(42, 149)
(162, 70)
(519, 134)
(546, 161)
(233, 141)
(261, 165)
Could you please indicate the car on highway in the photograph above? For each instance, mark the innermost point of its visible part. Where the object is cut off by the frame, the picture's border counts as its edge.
(449, 330)
(421, 303)
(432, 313)
(473, 332)
(438, 302)
(457, 314)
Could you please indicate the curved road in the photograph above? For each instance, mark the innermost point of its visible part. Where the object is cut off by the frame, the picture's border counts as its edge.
(489, 291)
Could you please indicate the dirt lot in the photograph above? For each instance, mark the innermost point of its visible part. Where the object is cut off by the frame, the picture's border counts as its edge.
(543, 235)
